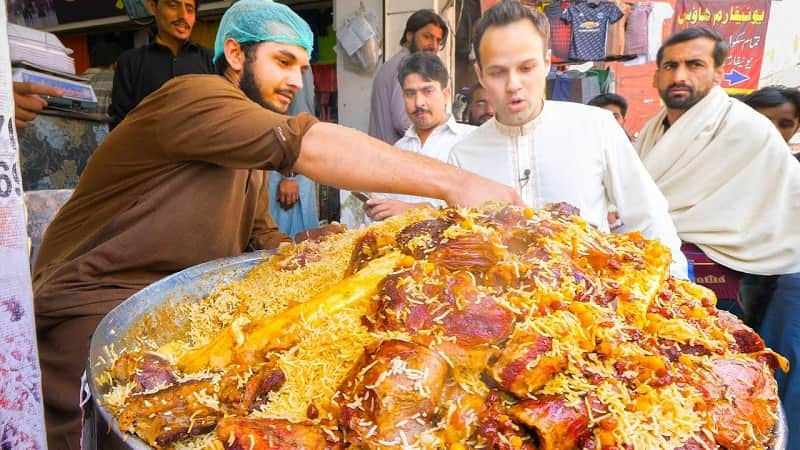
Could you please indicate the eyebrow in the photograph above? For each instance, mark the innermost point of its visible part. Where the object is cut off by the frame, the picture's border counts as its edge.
(527, 61)
(288, 54)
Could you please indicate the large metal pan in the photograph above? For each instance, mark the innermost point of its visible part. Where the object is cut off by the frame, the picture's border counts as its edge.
(191, 285)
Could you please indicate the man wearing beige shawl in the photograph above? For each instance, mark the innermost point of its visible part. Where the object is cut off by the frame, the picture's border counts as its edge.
(733, 188)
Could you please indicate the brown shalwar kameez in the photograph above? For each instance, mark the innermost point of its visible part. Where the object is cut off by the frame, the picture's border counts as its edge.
(179, 182)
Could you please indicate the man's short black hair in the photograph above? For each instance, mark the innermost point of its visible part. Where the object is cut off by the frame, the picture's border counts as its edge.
(104, 54)
(429, 66)
(508, 12)
(690, 34)
(610, 99)
(249, 49)
(771, 96)
(420, 19)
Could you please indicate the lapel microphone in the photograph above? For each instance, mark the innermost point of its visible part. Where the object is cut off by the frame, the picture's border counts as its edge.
(526, 175)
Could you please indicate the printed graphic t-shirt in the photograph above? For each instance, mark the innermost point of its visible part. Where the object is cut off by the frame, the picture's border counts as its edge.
(589, 28)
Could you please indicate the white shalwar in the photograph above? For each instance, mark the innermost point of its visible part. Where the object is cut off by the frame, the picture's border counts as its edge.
(576, 154)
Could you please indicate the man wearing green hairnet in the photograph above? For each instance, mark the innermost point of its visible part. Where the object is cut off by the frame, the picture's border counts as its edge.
(181, 181)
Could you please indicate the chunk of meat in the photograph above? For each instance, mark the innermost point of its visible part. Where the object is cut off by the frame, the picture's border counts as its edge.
(238, 433)
(369, 246)
(562, 209)
(472, 252)
(557, 426)
(462, 411)
(320, 233)
(391, 397)
(747, 340)
(179, 411)
(148, 370)
(267, 378)
(421, 237)
(454, 307)
(523, 366)
(499, 430)
(752, 391)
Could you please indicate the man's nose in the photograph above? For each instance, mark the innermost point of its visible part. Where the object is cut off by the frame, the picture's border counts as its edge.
(295, 80)
(680, 73)
(514, 81)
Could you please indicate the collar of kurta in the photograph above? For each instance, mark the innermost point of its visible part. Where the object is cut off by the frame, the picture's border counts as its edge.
(186, 45)
(521, 130)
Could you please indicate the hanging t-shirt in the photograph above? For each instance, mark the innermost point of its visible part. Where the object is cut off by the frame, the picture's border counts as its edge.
(655, 26)
(589, 28)
(615, 45)
(560, 31)
(636, 33)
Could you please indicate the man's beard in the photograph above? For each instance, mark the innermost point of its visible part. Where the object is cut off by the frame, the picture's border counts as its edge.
(248, 85)
(684, 103)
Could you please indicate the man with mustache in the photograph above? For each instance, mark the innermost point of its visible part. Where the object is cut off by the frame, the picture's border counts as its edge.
(141, 71)
(182, 181)
(426, 95)
(733, 190)
(479, 107)
(425, 31)
(555, 151)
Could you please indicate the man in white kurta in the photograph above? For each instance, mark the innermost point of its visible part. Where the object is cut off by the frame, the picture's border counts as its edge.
(576, 154)
(423, 78)
(553, 151)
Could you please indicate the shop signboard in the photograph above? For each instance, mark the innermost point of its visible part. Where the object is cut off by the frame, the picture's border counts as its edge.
(743, 23)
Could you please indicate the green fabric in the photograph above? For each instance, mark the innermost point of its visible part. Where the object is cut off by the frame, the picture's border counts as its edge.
(262, 21)
(327, 42)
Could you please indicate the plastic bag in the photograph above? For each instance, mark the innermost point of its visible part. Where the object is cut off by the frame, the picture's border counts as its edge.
(358, 40)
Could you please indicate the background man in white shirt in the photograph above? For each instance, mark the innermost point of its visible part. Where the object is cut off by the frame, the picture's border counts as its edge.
(555, 151)
(423, 78)
(425, 31)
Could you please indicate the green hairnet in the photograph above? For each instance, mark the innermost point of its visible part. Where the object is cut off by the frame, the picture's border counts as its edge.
(262, 21)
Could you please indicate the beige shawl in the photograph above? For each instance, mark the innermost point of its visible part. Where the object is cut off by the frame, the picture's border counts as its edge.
(733, 187)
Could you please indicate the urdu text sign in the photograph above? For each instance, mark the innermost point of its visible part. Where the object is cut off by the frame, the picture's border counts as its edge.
(742, 23)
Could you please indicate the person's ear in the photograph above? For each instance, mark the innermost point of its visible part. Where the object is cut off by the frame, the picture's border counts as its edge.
(151, 6)
(719, 74)
(234, 54)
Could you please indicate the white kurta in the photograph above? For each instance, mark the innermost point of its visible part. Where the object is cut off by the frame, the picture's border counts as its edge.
(576, 154)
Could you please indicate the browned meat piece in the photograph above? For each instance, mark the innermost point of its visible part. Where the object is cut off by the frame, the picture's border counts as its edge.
(455, 307)
(699, 442)
(392, 396)
(320, 233)
(672, 349)
(497, 428)
(419, 238)
(267, 378)
(368, 247)
(470, 252)
(148, 370)
(171, 414)
(557, 426)
(747, 340)
(563, 209)
(238, 433)
(462, 409)
(523, 367)
(753, 394)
